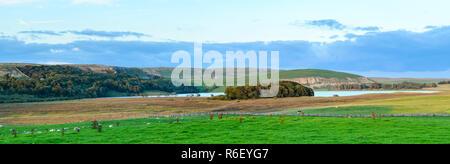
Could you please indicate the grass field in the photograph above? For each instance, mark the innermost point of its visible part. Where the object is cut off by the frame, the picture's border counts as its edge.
(402, 105)
(261, 130)
(405, 105)
(59, 112)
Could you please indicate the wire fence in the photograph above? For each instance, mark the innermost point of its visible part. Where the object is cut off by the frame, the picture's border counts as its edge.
(302, 115)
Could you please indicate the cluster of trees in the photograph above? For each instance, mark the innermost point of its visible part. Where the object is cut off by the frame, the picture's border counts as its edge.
(404, 85)
(444, 82)
(67, 81)
(287, 89)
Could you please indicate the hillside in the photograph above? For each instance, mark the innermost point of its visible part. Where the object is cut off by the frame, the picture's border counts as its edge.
(401, 80)
(29, 83)
(11, 70)
(322, 78)
(311, 77)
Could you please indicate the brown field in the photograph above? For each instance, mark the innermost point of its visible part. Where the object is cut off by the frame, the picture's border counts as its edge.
(114, 109)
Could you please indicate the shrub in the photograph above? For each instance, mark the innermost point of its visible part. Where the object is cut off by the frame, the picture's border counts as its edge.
(287, 89)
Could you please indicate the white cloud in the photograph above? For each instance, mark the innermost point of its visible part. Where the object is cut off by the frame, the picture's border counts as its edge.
(55, 63)
(28, 23)
(56, 51)
(93, 1)
(15, 2)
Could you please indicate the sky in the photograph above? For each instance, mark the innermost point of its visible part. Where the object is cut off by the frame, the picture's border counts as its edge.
(401, 38)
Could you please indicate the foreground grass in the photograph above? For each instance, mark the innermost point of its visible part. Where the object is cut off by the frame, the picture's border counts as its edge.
(350, 110)
(261, 130)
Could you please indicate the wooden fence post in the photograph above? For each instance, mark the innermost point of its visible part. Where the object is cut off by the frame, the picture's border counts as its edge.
(14, 133)
(94, 124)
(373, 115)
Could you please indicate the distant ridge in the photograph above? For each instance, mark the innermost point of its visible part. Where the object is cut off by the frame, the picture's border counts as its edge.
(310, 77)
(401, 80)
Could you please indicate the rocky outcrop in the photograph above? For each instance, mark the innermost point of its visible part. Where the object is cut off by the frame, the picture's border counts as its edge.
(324, 82)
(96, 68)
(11, 71)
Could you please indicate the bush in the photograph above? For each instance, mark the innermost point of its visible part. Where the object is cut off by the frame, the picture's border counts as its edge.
(287, 89)
(220, 97)
(444, 82)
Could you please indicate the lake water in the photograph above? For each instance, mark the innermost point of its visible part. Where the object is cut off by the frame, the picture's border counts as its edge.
(317, 94)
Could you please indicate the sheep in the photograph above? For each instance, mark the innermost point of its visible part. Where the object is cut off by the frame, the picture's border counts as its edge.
(77, 129)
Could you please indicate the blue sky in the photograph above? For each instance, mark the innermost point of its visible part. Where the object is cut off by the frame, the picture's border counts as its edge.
(401, 38)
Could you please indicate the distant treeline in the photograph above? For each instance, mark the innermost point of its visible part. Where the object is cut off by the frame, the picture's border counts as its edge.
(444, 82)
(404, 85)
(287, 89)
(70, 82)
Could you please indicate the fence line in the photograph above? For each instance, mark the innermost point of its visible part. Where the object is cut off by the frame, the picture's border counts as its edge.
(306, 115)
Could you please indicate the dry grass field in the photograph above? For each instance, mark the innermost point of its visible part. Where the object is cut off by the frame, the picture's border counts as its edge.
(115, 109)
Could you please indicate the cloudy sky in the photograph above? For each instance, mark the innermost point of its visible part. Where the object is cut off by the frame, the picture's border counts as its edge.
(401, 38)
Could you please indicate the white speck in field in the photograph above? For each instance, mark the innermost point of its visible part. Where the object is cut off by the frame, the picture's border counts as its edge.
(111, 126)
(149, 123)
(1, 126)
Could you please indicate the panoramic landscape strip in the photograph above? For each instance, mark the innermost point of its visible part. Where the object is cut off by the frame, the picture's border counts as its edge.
(224, 81)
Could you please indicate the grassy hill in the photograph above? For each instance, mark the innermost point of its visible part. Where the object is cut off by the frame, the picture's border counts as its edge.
(311, 77)
(314, 78)
(284, 74)
(301, 73)
(401, 80)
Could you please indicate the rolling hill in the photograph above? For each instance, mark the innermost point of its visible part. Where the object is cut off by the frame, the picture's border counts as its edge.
(401, 80)
(311, 77)
(322, 78)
